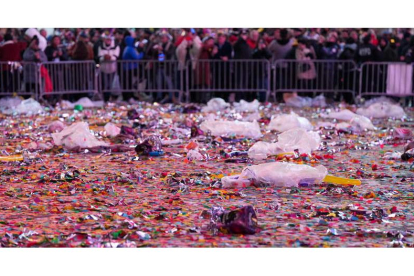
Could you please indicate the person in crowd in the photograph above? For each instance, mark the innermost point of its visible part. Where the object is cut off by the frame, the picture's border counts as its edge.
(43, 33)
(202, 79)
(130, 78)
(279, 48)
(390, 53)
(242, 51)
(82, 50)
(97, 42)
(56, 52)
(305, 69)
(120, 39)
(10, 51)
(163, 51)
(108, 54)
(31, 32)
(32, 54)
(260, 74)
(366, 51)
(405, 44)
(187, 52)
(281, 45)
(252, 39)
(221, 68)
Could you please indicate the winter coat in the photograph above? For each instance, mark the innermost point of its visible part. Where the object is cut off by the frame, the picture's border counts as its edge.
(108, 67)
(242, 50)
(49, 53)
(259, 68)
(366, 53)
(130, 53)
(390, 54)
(223, 51)
(280, 48)
(11, 51)
(203, 68)
(30, 71)
(305, 69)
(194, 53)
(329, 51)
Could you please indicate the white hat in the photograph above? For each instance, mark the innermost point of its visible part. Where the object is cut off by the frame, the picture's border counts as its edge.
(31, 32)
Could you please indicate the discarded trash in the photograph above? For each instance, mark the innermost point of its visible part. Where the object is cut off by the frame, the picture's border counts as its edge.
(151, 146)
(382, 110)
(275, 174)
(288, 141)
(241, 221)
(112, 130)
(289, 121)
(244, 106)
(215, 104)
(231, 128)
(77, 135)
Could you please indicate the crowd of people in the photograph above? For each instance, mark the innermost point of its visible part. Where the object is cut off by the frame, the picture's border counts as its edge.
(183, 45)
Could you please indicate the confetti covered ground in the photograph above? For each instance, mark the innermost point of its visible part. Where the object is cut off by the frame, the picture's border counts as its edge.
(61, 198)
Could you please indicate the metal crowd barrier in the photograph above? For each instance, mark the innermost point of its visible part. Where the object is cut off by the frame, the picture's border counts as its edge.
(202, 77)
(386, 78)
(20, 78)
(69, 77)
(327, 76)
(217, 76)
(137, 76)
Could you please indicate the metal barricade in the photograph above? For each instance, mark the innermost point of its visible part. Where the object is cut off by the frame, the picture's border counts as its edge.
(69, 77)
(20, 78)
(386, 78)
(137, 76)
(217, 76)
(327, 76)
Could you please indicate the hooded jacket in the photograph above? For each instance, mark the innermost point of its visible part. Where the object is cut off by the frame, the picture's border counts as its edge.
(30, 70)
(112, 50)
(130, 53)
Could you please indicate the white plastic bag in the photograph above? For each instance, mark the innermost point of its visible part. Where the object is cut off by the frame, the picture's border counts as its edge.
(288, 141)
(360, 123)
(381, 99)
(289, 121)
(382, 110)
(194, 155)
(215, 104)
(230, 128)
(9, 102)
(298, 101)
(56, 126)
(279, 174)
(77, 135)
(28, 106)
(244, 106)
(345, 115)
(112, 130)
(85, 102)
(252, 117)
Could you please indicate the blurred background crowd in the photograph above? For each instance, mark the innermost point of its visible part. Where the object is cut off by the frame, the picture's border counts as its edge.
(192, 44)
(124, 44)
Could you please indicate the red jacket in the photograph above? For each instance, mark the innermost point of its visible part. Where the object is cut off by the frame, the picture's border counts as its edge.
(11, 51)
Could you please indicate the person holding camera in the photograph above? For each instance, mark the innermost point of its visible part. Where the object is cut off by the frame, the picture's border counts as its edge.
(32, 54)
